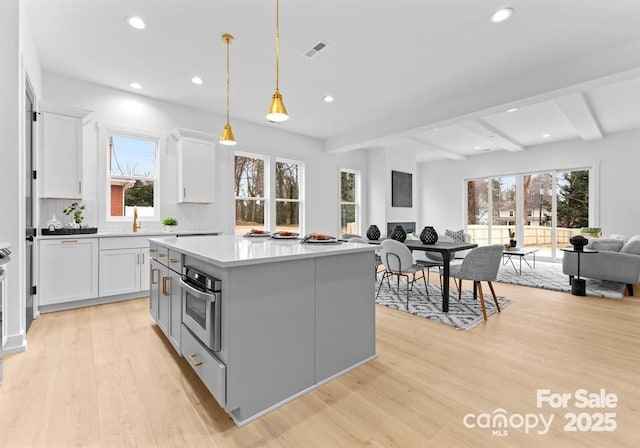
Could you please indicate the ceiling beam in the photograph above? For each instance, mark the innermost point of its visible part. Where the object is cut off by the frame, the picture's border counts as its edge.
(438, 149)
(580, 115)
(492, 136)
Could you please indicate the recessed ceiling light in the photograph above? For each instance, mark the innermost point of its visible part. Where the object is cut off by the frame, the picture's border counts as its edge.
(328, 99)
(136, 22)
(512, 109)
(546, 135)
(135, 85)
(477, 147)
(197, 80)
(501, 15)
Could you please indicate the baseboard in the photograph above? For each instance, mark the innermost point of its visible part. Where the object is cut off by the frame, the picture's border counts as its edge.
(89, 302)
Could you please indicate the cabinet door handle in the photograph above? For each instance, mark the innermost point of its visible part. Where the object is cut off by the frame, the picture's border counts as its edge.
(153, 251)
(80, 187)
(142, 257)
(193, 361)
(69, 241)
(162, 255)
(164, 286)
(173, 260)
(154, 278)
(137, 258)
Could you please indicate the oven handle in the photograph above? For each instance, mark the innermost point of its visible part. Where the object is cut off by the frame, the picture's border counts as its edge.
(197, 293)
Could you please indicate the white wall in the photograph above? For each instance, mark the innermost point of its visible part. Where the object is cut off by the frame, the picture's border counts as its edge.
(137, 111)
(616, 163)
(381, 162)
(19, 60)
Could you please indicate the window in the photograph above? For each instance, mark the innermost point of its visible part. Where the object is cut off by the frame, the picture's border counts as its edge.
(349, 202)
(288, 200)
(132, 176)
(249, 193)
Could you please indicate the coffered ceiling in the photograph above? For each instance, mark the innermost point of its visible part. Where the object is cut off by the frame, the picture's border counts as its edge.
(435, 75)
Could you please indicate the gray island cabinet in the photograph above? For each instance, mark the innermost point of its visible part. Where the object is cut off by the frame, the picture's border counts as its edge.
(292, 316)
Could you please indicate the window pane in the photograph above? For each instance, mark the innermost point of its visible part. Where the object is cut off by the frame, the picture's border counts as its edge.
(348, 186)
(478, 211)
(132, 157)
(348, 219)
(287, 180)
(288, 216)
(504, 216)
(249, 177)
(573, 204)
(249, 214)
(537, 209)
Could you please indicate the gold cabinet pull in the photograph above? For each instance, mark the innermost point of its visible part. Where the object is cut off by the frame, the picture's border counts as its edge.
(193, 361)
(69, 241)
(164, 286)
(154, 278)
(142, 257)
(80, 187)
(138, 259)
(173, 260)
(162, 255)
(153, 250)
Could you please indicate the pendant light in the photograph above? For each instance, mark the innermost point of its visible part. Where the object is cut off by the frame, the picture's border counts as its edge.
(277, 111)
(227, 137)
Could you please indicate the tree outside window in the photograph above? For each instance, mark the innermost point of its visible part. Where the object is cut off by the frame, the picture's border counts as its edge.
(288, 200)
(349, 202)
(249, 180)
(132, 176)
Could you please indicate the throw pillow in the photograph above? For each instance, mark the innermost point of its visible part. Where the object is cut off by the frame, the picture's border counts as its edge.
(611, 244)
(632, 246)
(457, 236)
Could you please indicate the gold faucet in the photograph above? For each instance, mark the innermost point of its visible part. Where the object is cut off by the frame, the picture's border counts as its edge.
(136, 224)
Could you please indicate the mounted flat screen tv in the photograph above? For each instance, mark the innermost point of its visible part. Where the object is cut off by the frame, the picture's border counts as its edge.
(401, 189)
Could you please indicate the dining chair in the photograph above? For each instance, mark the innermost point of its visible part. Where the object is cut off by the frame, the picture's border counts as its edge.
(398, 261)
(361, 240)
(480, 265)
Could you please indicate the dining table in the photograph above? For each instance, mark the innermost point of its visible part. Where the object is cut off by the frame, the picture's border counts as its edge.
(447, 250)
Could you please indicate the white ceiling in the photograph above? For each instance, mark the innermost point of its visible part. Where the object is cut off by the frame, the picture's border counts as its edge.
(435, 75)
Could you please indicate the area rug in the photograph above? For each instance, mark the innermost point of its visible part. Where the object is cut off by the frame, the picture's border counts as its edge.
(464, 314)
(549, 275)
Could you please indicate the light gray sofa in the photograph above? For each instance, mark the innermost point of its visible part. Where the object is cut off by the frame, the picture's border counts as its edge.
(616, 261)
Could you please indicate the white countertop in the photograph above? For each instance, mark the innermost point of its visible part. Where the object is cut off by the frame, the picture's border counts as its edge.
(142, 233)
(4, 245)
(231, 250)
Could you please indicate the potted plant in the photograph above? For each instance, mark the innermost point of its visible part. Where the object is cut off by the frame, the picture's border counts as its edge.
(169, 223)
(76, 210)
(593, 232)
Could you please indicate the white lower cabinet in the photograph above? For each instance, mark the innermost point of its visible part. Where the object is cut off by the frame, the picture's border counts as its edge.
(124, 268)
(68, 270)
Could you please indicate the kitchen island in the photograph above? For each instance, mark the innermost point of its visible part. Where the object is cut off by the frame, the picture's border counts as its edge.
(292, 316)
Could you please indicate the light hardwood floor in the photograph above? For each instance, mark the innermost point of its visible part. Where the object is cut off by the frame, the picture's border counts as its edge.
(105, 376)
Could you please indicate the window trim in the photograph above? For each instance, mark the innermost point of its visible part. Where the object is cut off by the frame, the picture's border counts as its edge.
(265, 188)
(105, 130)
(301, 192)
(357, 203)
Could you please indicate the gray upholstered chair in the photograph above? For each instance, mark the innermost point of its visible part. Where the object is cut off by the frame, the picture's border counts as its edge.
(361, 240)
(398, 261)
(480, 265)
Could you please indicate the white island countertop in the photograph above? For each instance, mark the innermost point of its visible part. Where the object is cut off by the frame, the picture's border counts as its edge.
(143, 233)
(232, 250)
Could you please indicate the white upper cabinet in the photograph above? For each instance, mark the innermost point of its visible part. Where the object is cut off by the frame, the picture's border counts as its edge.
(196, 166)
(61, 169)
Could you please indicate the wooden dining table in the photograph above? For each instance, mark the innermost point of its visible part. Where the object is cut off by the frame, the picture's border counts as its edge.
(447, 250)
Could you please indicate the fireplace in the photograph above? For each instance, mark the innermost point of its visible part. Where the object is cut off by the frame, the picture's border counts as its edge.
(409, 227)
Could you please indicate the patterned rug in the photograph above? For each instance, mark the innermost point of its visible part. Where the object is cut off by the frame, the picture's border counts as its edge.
(549, 275)
(464, 314)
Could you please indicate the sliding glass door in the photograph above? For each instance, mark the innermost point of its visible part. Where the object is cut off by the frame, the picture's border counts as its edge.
(544, 210)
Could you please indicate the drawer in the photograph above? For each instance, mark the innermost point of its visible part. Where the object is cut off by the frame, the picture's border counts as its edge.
(162, 255)
(175, 261)
(211, 371)
(124, 242)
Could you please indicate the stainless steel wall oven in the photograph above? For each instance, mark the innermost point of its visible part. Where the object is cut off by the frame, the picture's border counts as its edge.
(201, 306)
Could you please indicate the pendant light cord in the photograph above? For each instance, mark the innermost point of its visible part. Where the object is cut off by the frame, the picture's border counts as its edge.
(228, 43)
(277, 43)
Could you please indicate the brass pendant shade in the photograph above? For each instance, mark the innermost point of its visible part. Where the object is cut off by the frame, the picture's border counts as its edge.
(227, 137)
(277, 112)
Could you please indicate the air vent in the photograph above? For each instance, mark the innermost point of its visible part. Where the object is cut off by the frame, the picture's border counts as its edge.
(315, 49)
